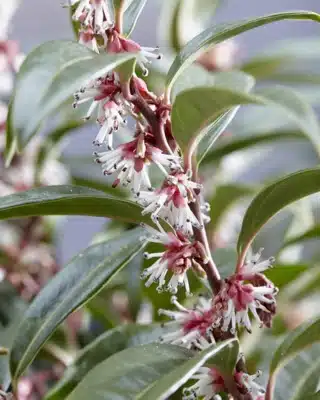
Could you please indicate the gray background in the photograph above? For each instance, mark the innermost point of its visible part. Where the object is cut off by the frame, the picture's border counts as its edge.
(40, 20)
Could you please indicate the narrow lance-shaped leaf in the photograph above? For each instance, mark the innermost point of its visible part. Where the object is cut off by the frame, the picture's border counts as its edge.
(272, 199)
(195, 109)
(129, 373)
(104, 346)
(218, 34)
(223, 356)
(80, 280)
(69, 200)
(48, 76)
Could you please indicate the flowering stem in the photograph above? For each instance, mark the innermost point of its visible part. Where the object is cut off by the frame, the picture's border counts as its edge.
(270, 387)
(155, 122)
(119, 17)
(242, 256)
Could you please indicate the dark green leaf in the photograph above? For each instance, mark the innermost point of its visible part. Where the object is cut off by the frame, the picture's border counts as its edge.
(69, 200)
(234, 145)
(218, 34)
(272, 199)
(49, 75)
(11, 311)
(126, 375)
(103, 347)
(132, 14)
(99, 185)
(223, 356)
(297, 340)
(80, 280)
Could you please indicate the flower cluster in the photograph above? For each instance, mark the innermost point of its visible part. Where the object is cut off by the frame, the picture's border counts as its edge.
(176, 202)
(209, 383)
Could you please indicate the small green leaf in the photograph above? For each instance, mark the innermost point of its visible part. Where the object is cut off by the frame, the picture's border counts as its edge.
(303, 336)
(69, 200)
(218, 34)
(126, 375)
(131, 15)
(308, 383)
(313, 233)
(236, 144)
(80, 280)
(223, 356)
(99, 350)
(272, 199)
(49, 75)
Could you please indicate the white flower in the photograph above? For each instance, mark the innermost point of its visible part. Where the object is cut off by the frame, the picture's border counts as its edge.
(95, 13)
(104, 94)
(171, 202)
(7, 9)
(193, 327)
(208, 384)
(177, 259)
(254, 266)
(131, 160)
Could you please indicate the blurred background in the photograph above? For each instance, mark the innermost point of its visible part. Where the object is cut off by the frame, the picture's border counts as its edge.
(40, 20)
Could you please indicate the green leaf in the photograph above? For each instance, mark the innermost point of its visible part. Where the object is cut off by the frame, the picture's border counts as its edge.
(11, 311)
(308, 383)
(69, 200)
(236, 144)
(195, 109)
(48, 77)
(80, 280)
(297, 340)
(131, 15)
(223, 356)
(313, 233)
(126, 375)
(100, 349)
(272, 199)
(218, 34)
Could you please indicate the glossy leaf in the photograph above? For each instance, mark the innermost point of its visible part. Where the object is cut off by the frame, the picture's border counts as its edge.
(128, 374)
(195, 109)
(69, 200)
(297, 340)
(223, 356)
(99, 350)
(236, 144)
(132, 14)
(49, 75)
(218, 34)
(272, 199)
(80, 280)
(308, 383)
